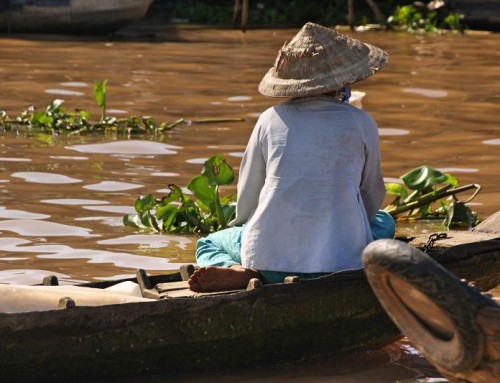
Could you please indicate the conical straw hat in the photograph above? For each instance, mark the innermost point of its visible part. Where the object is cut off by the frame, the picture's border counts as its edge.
(320, 60)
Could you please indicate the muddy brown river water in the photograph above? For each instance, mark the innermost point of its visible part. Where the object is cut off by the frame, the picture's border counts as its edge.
(62, 198)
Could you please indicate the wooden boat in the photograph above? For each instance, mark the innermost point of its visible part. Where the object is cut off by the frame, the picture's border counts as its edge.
(69, 16)
(478, 14)
(179, 330)
(455, 326)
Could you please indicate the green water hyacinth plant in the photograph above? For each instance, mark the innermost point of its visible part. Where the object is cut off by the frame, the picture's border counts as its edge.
(428, 193)
(179, 213)
(55, 120)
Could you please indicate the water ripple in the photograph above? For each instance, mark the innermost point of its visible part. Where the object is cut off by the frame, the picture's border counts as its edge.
(495, 141)
(20, 214)
(45, 178)
(149, 241)
(127, 147)
(31, 227)
(427, 92)
(7, 159)
(112, 186)
(74, 201)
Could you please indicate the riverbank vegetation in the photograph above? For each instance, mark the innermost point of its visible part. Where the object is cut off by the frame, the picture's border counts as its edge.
(407, 15)
(425, 193)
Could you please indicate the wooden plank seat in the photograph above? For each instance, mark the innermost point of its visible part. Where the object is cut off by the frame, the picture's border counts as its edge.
(179, 289)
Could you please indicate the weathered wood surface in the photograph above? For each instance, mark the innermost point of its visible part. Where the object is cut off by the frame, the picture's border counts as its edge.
(490, 224)
(94, 16)
(191, 331)
(271, 324)
(452, 324)
(479, 14)
(479, 253)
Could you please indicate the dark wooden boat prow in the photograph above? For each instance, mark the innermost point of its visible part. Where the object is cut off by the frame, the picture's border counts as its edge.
(455, 326)
(186, 331)
(93, 17)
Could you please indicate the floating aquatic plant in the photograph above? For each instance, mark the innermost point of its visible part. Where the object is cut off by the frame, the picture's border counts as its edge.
(54, 119)
(429, 193)
(177, 212)
(426, 193)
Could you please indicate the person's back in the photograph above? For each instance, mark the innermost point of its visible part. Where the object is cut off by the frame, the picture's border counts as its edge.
(310, 184)
(319, 154)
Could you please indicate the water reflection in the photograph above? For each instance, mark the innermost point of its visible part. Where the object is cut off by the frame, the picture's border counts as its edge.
(130, 261)
(196, 160)
(74, 201)
(112, 209)
(149, 241)
(64, 92)
(112, 186)
(13, 159)
(127, 147)
(31, 276)
(64, 252)
(20, 214)
(164, 174)
(495, 141)
(108, 221)
(45, 178)
(427, 92)
(239, 98)
(37, 228)
(458, 170)
(392, 132)
(70, 158)
(75, 84)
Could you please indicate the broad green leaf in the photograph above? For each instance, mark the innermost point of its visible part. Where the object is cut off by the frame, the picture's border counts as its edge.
(133, 220)
(202, 190)
(396, 190)
(460, 216)
(167, 214)
(229, 212)
(84, 114)
(100, 93)
(144, 203)
(149, 221)
(175, 194)
(451, 180)
(423, 177)
(218, 171)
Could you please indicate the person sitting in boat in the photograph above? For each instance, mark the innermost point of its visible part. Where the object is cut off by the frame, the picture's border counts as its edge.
(310, 184)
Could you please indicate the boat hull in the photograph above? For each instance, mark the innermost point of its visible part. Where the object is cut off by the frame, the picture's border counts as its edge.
(272, 324)
(266, 324)
(71, 16)
(478, 14)
(454, 326)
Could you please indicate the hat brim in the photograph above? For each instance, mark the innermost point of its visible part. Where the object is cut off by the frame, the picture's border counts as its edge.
(273, 86)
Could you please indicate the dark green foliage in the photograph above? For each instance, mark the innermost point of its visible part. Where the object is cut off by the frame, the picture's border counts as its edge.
(178, 213)
(424, 187)
(56, 120)
(413, 19)
(270, 13)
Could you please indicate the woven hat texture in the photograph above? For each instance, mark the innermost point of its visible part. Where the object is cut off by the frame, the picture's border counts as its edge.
(320, 60)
